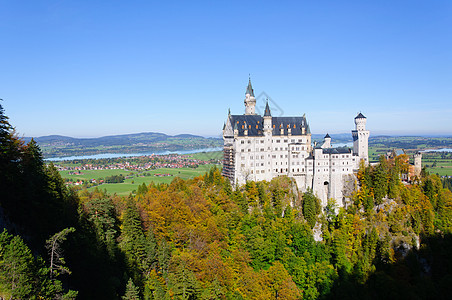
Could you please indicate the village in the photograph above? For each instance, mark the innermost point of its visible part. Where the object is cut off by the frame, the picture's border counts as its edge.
(93, 172)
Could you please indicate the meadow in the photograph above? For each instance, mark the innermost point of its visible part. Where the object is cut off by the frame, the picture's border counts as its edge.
(136, 178)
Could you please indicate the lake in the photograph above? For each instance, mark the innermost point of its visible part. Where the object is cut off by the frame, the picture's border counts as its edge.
(438, 150)
(116, 155)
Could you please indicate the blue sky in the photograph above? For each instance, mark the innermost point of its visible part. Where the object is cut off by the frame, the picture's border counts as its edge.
(94, 68)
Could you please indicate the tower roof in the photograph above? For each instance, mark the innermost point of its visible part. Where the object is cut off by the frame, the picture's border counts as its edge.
(249, 88)
(267, 112)
(360, 116)
(327, 136)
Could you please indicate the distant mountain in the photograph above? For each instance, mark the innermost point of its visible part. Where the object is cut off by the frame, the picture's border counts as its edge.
(60, 146)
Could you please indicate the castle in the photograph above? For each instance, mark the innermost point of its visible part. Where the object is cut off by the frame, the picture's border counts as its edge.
(263, 147)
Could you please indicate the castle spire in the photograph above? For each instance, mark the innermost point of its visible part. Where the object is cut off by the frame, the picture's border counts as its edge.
(267, 112)
(249, 88)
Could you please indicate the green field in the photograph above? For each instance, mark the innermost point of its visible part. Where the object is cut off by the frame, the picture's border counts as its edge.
(94, 174)
(441, 171)
(136, 178)
(206, 155)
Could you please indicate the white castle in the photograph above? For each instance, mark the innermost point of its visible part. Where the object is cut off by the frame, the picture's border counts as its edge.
(263, 147)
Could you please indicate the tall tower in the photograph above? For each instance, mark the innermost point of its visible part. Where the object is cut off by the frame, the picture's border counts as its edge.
(267, 121)
(250, 101)
(417, 163)
(361, 138)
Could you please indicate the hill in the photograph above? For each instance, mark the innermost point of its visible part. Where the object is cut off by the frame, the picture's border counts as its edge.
(60, 146)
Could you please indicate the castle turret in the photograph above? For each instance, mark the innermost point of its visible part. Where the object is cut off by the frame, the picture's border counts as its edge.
(327, 141)
(250, 101)
(267, 121)
(417, 163)
(361, 138)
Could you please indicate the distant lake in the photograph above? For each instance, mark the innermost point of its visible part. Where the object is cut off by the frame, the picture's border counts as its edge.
(338, 145)
(116, 155)
(438, 150)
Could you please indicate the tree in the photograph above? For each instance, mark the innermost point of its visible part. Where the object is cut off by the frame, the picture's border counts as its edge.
(132, 240)
(311, 207)
(132, 292)
(53, 245)
(16, 267)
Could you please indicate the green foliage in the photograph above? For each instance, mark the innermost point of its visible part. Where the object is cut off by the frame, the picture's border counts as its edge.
(115, 179)
(54, 247)
(311, 207)
(132, 292)
(202, 239)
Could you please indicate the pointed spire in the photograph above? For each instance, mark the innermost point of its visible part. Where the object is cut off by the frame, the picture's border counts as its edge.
(267, 112)
(229, 111)
(224, 125)
(360, 116)
(327, 136)
(249, 88)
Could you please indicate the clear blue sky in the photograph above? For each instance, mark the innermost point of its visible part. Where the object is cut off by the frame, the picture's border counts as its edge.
(94, 68)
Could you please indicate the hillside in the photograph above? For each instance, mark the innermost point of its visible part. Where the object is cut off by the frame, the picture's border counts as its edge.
(60, 146)
(203, 239)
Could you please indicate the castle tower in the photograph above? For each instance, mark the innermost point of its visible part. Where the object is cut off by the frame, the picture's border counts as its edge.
(417, 163)
(250, 101)
(361, 138)
(267, 121)
(327, 141)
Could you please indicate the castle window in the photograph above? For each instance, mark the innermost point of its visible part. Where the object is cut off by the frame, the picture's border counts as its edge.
(249, 142)
(243, 126)
(285, 141)
(256, 126)
(249, 150)
(242, 142)
(278, 141)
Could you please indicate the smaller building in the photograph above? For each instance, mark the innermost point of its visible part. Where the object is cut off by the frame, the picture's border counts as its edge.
(413, 169)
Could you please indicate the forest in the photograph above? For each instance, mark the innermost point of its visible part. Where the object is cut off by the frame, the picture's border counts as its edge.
(203, 239)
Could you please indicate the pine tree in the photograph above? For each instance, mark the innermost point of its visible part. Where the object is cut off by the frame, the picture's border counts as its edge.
(132, 292)
(132, 240)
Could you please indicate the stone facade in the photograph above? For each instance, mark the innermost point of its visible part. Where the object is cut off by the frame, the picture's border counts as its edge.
(263, 147)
